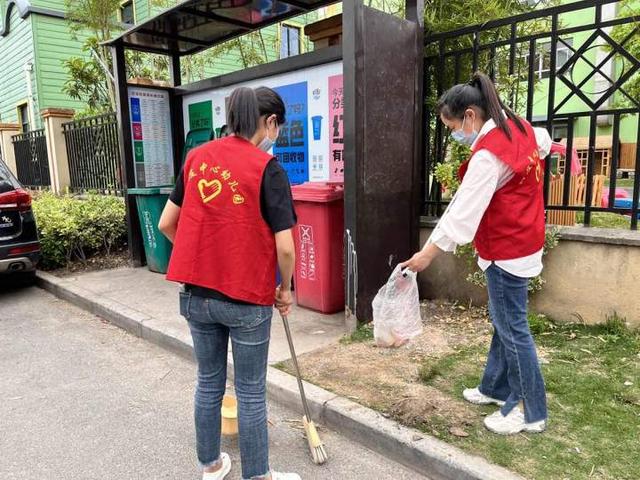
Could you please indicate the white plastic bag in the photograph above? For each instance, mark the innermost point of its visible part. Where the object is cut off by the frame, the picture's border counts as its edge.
(396, 310)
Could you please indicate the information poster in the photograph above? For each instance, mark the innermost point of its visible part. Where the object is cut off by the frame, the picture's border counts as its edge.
(336, 118)
(317, 123)
(151, 133)
(200, 115)
(292, 146)
(311, 143)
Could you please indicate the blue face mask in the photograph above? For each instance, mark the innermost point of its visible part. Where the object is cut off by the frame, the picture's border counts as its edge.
(465, 138)
(267, 143)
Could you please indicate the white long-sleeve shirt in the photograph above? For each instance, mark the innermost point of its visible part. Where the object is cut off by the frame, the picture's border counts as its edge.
(486, 175)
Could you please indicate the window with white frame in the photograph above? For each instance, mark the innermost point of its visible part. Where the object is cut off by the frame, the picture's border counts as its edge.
(289, 40)
(23, 117)
(542, 61)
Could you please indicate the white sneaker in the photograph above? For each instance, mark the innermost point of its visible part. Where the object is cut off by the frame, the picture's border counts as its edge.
(473, 395)
(223, 472)
(513, 423)
(284, 476)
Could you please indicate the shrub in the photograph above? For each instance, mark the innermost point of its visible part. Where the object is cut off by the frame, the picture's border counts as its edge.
(73, 228)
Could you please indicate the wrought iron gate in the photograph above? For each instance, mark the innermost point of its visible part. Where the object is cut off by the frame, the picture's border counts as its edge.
(574, 69)
(32, 161)
(94, 155)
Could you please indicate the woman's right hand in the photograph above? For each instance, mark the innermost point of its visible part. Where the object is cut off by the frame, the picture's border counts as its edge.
(284, 301)
(421, 260)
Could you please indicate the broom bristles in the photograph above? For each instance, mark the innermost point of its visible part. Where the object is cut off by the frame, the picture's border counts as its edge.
(318, 452)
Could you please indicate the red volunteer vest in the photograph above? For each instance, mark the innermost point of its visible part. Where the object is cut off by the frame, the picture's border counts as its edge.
(222, 242)
(513, 225)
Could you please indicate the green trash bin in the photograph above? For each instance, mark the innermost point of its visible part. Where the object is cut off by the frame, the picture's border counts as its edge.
(157, 248)
(196, 138)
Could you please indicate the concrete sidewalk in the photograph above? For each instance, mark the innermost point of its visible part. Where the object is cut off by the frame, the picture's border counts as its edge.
(156, 299)
(144, 304)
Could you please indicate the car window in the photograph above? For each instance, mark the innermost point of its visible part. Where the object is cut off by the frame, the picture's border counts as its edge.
(7, 182)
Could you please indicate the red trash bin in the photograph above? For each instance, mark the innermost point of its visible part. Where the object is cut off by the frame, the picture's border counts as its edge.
(319, 275)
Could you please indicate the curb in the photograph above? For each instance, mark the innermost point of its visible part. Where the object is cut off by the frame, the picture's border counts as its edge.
(409, 447)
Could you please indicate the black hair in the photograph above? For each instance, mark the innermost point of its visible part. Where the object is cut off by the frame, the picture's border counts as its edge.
(247, 106)
(480, 92)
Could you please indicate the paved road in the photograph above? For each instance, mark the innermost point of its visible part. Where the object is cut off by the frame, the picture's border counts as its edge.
(81, 399)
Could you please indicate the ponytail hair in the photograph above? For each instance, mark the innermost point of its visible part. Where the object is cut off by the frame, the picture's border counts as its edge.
(480, 92)
(247, 106)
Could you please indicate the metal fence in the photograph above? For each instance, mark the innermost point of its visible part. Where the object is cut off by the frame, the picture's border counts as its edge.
(32, 161)
(570, 68)
(94, 155)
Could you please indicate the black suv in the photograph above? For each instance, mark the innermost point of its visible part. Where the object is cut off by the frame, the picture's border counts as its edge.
(19, 244)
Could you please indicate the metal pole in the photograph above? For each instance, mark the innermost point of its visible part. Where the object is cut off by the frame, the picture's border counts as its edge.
(134, 232)
(353, 136)
(177, 119)
(415, 13)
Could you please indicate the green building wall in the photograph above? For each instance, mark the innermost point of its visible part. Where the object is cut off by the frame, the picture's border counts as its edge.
(45, 42)
(628, 124)
(50, 55)
(16, 51)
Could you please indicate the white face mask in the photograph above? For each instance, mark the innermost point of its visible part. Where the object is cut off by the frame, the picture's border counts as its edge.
(267, 144)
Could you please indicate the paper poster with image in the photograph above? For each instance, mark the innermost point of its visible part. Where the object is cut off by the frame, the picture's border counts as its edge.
(292, 146)
(317, 123)
(200, 115)
(150, 117)
(336, 128)
(307, 144)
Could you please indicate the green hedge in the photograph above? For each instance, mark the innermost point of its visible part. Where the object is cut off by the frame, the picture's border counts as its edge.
(73, 228)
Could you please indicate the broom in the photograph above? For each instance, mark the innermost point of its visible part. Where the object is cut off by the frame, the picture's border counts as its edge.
(318, 452)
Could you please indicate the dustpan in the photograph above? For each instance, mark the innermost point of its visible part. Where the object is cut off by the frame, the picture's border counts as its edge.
(229, 413)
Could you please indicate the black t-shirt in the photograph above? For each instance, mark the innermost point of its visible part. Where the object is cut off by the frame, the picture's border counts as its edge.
(276, 204)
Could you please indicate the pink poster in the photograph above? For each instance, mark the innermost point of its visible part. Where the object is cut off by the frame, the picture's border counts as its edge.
(336, 128)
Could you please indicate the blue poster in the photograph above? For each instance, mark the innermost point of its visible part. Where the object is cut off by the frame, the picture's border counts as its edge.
(135, 110)
(292, 147)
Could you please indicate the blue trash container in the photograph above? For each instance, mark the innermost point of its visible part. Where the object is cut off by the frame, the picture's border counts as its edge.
(624, 203)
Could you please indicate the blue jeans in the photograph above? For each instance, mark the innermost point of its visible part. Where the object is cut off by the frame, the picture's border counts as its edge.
(212, 322)
(512, 373)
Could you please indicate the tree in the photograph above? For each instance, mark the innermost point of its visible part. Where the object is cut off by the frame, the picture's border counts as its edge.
(97, 19)
(629, 36)
(87, 82)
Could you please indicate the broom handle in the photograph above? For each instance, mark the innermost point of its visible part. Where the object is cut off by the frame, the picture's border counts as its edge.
(287, 330)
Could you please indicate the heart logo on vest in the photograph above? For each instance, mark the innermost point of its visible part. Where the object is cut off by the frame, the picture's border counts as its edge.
(209, 190)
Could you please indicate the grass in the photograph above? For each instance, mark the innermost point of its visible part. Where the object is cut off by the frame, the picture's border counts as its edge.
(363, 333)
(621, 183)
(593, 384)
(606, 220)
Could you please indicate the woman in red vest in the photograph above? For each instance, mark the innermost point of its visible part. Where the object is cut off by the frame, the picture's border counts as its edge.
(500, 207)
(230, 219)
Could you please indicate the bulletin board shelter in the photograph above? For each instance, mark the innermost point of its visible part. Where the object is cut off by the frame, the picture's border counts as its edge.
(379, 67)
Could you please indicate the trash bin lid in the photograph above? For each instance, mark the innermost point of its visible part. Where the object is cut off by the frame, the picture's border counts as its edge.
(623, 203)
(149, 191)
(318, 192)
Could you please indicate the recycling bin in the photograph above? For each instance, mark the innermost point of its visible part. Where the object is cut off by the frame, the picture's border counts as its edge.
(626, 203)
(319, 273)
(157, 248)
